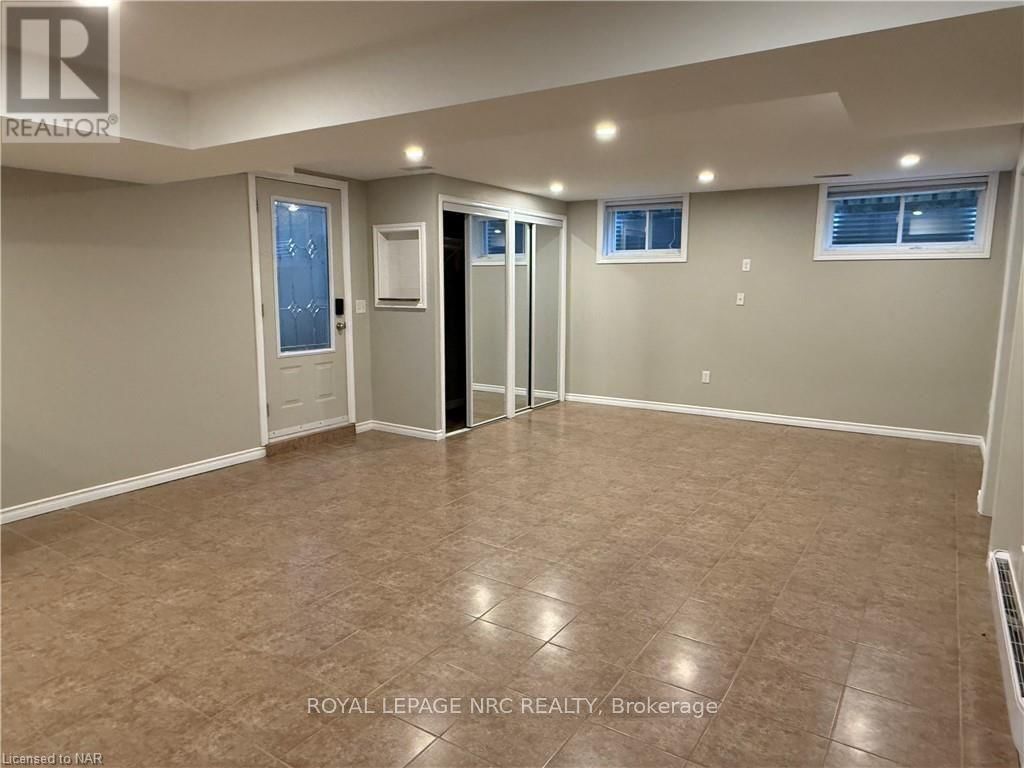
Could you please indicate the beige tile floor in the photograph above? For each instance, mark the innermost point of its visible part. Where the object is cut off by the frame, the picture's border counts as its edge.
(491, 405)
(827, 590)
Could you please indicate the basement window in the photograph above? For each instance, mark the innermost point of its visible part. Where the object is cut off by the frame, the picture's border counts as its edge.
(642, 231)
(947, 218)
(487, 242)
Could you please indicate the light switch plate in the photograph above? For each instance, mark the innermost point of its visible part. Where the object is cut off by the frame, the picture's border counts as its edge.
(740, 299)
(360, 306)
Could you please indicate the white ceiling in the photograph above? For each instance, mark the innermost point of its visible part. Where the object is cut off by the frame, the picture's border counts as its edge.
(207, 74)
(951, 90)
(191, 46)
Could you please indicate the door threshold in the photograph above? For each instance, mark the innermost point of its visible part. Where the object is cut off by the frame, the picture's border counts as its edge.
(337, 435)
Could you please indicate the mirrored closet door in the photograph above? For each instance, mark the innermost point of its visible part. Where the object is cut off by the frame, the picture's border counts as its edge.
(546, 299)
(488, 350)
(523, 271)
(503, 280)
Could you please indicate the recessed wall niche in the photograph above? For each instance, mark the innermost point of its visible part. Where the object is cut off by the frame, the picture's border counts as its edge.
(400, 266)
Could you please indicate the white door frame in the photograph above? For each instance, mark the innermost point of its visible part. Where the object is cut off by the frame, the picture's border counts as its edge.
(257, 291)
(513, 214)
(532, 280)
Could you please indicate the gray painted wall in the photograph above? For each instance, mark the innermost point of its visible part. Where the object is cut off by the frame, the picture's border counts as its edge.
(546, 310)
(406, 344)
(1003, 492)
(361, 260)
(403, 341)
(128, 338)
(127, 314)
(899, 343)
(1007, 455)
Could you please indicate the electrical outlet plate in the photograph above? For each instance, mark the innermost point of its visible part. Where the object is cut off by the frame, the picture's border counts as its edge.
(740, 299)
(705, 377)
(745, 265)
(360, 306)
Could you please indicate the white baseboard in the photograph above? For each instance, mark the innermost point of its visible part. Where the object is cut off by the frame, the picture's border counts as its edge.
(981, 491)
(74, 498)
(495, 388)
(500, 390)
(789, 421)
(400, 429)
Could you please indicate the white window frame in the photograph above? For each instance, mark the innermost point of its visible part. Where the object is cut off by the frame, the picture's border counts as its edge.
(491, 260)
(646, 256)
(978, 249)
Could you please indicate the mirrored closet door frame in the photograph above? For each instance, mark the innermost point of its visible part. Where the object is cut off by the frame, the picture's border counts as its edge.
(484, 211)
(511, 215)
(544, 220)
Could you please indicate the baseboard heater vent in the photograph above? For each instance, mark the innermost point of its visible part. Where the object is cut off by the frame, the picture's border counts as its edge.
(1010, 631)
(1011, 617)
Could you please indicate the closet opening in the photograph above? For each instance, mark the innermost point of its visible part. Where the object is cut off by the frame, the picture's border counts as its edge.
(455, 327)
(504, 312)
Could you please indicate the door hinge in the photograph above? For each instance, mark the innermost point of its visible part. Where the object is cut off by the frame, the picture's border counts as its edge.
(268, 407)
(263, 310)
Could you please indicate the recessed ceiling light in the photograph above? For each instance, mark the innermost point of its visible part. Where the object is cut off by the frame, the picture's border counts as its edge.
(556, 187)
(910, 160)
(917, 213)
(606, 130)
(414, 153)
(706, 177)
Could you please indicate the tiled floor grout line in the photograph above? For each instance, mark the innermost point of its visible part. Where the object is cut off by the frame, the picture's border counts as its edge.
(764, 621)
(583, 721)
(508, 480)
(959, 648)
(662, 627)
(299, 670)
(626, 667)
(272, 756)
(846, 677)
(466, 569)
(721, 557)
(433, 650)
(843, 686)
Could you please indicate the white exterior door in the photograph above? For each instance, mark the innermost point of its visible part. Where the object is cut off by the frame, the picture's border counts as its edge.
(301, 275)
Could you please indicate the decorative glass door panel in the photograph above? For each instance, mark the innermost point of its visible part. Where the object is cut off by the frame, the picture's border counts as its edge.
(302, 274)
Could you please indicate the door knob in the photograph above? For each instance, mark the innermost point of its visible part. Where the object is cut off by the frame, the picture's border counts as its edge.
(340, 325)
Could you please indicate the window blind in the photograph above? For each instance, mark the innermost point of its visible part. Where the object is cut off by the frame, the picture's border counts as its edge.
(911, 215)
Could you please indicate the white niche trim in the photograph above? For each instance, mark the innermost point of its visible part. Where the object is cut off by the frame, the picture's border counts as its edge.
(400, 265)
